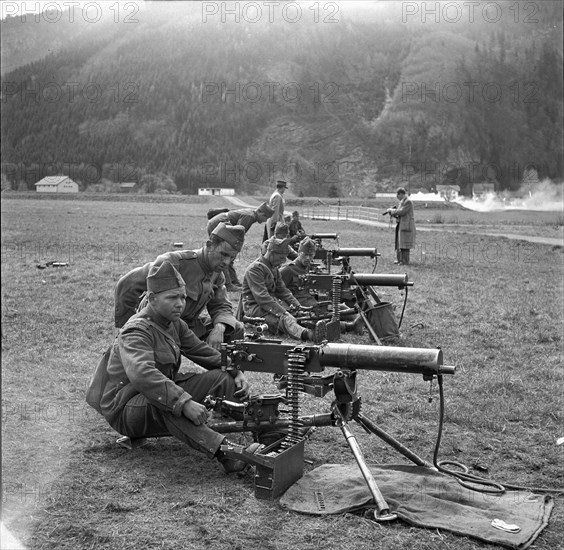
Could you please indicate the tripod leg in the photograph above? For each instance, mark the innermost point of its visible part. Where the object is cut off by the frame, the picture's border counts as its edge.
(369, 426)
(383, 510)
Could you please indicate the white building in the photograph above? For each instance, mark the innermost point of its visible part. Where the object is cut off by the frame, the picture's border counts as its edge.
(216, 191)
(56, 184)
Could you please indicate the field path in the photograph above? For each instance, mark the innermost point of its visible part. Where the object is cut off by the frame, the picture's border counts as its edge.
(450, 229)
(385, 225)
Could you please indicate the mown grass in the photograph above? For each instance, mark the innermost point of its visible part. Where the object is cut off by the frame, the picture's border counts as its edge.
(493, 305)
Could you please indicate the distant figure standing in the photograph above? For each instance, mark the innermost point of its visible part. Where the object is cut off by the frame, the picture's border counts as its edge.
(276, 202)
(405, 227)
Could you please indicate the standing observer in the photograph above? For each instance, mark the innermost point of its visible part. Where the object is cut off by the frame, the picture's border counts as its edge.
(405, 227)
(277, 203)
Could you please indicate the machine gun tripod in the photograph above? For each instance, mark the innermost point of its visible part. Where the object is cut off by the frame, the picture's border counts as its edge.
(299, 369)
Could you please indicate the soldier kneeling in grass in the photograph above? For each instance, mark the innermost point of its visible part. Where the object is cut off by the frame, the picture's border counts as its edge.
(141, 393)
(265, 294)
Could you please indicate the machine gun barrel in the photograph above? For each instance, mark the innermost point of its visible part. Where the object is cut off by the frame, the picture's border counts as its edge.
(272, 356)
(318, 236)
(324, 281)
(380, 279)
(349, 252)
(384, 358)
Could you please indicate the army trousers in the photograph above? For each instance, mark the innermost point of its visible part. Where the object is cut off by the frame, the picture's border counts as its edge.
(142, 418)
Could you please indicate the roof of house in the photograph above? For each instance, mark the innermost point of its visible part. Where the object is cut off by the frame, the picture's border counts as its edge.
(484, 187)
(53, 180)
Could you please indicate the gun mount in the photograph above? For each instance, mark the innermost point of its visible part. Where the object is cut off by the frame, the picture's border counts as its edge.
(356, 291)
(300, 369)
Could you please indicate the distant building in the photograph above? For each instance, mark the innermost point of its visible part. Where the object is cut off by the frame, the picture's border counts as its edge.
(56, 184)
(481, 189)
(216, 191)
(127, 187)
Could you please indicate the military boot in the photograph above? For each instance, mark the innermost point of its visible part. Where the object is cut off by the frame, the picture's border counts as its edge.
(356, 326)
(317, 334)
(233, 465)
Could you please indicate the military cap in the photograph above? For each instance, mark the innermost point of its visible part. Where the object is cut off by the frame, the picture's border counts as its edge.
(234, 235)
(307, 246)
(278, 246)
(164, 277)
(281, 230)
(281, 183)
(401, 190)
(265, 210)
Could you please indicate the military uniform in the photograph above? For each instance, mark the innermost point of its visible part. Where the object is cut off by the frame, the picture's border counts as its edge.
(265, 295)
(245, 217)
(291, 274)
(144, 394)
(205, 290)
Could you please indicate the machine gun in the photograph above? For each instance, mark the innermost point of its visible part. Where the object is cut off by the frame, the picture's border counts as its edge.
(300, 369)
(339, 256)
(356, 291)
(342, 257)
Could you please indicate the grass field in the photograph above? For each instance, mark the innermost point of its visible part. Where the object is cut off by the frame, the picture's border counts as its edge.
(495, 307)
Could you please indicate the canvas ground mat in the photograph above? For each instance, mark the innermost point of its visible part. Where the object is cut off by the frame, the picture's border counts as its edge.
(425, 498)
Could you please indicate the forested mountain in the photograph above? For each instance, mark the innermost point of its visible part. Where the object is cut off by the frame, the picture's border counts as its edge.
(334, 106)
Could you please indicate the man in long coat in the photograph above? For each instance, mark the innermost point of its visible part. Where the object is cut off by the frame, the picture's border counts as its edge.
(405, 227)
(203, 271)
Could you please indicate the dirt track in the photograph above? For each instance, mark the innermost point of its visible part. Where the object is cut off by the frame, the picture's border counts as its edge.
(513, 236)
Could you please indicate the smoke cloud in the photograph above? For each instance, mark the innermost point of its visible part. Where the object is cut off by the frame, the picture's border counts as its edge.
(544, 196)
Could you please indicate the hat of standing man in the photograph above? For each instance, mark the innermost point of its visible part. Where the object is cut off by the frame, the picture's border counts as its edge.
(281, 183)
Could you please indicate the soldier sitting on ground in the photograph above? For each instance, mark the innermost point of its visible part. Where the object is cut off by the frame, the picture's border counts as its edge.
(295, 226)
(265, 294)
(291, 275)
(144, 395)
(206, 292)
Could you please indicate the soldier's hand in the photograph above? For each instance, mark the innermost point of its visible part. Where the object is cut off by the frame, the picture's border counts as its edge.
(196, 412)
(242, 386)
(215, 337)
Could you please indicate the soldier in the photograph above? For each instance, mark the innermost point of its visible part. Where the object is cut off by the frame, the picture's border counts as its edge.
(295, 226)
(245, 217)
(291, 274)
(202, 268)
(265, 294)
(276, 202)
(144, 396)
(282, 231)
(405, 227)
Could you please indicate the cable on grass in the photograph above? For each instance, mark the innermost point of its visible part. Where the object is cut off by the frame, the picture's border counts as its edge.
(471, 481)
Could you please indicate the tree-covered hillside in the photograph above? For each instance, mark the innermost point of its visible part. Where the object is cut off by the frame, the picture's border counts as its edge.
(361, 101)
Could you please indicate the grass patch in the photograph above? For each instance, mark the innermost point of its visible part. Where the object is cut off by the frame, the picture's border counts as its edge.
(494, 306)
